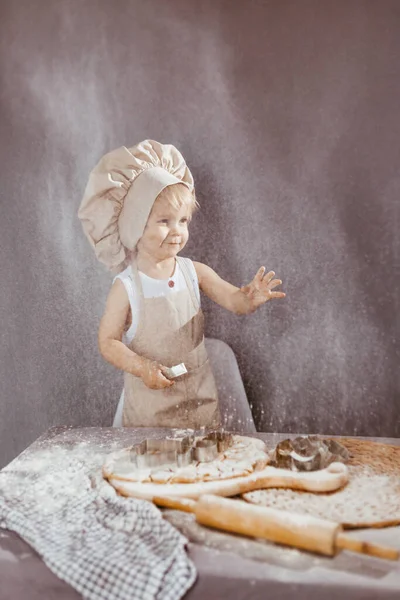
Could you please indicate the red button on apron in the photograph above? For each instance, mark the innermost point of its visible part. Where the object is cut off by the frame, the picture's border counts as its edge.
(171, 283)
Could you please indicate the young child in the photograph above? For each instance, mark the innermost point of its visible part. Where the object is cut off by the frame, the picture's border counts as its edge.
(136, 212)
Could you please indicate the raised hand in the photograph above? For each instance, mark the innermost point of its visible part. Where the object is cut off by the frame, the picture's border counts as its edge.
(260, 289)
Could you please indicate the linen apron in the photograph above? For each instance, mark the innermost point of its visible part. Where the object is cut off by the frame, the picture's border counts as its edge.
(171, 331)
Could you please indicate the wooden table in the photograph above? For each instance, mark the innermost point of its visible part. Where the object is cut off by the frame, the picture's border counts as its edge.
(226, 569)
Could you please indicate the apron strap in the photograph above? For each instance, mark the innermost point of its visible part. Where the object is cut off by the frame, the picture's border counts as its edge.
(183, 263)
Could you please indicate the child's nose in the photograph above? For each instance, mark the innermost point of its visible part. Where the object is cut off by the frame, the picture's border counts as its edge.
(176, 227)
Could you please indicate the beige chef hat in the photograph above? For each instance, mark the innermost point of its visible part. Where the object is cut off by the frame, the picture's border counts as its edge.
(121, 192)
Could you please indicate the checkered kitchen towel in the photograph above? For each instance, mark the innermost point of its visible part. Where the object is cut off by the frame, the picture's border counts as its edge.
(105, 546)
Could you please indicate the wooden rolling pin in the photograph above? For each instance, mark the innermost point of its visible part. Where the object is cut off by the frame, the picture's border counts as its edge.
(290, 529)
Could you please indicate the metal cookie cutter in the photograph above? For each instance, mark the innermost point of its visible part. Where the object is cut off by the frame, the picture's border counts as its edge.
(156, 453)
(223, 439)
(176, 371)
(208, 448)
(179, 452)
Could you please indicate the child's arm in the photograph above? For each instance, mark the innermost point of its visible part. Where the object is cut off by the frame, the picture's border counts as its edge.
(240, 301)
(115, 351)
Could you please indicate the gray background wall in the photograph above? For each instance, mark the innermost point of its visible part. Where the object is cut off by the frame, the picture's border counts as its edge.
(288, 115)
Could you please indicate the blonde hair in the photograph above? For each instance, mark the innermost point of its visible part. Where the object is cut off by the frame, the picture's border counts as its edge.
(179, 195)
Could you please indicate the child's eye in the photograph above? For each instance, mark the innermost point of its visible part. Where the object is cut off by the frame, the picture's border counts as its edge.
(184, 220)
(163, 221)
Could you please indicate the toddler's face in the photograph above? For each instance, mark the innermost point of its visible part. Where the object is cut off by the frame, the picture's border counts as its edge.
(166, 230)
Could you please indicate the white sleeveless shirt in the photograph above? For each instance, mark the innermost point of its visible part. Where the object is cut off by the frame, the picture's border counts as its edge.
(153, 288)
